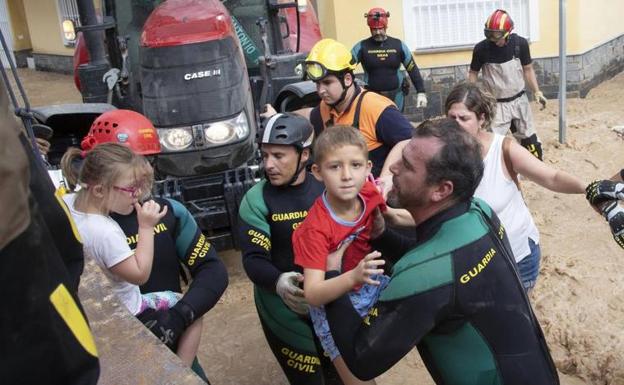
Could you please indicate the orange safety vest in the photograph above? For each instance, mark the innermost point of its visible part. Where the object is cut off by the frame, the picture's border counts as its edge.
(363, 117)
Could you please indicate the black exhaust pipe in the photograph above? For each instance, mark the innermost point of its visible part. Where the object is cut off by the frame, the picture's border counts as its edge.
(93, 87)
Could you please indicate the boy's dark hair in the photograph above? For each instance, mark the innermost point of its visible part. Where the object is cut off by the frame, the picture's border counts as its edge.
(459, 160)
(335, 137)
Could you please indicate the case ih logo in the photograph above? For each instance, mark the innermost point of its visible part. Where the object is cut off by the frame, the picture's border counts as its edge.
(202, 74)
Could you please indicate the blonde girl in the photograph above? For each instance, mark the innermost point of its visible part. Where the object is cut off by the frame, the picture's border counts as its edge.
(111, 179)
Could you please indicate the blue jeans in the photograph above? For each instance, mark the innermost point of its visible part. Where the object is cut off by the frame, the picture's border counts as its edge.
(362, 301)
(528, 268)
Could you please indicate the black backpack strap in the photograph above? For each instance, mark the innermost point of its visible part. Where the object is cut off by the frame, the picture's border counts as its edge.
(516, 46)
(358, 107)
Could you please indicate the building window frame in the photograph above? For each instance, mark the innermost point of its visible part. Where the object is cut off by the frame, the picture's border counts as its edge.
(459, 23)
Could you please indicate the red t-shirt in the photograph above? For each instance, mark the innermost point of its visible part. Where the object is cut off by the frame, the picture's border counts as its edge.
(321, 232)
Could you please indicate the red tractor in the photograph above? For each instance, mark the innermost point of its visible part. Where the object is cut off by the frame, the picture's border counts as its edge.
(199, 70)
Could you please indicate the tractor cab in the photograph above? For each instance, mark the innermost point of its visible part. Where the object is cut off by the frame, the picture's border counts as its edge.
(200, 70)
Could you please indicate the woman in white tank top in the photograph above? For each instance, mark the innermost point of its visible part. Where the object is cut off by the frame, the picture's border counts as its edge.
(474, 108)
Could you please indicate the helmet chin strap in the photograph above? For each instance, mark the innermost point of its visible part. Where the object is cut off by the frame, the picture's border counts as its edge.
(343, 95)
(300, 167)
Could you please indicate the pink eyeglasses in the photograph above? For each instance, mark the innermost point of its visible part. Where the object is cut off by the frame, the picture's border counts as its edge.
(132, 190)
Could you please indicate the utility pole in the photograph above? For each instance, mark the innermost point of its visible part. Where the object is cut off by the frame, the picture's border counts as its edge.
(562, 71)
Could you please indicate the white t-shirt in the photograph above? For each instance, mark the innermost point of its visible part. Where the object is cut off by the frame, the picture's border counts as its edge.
(503, 196)
(105, 242)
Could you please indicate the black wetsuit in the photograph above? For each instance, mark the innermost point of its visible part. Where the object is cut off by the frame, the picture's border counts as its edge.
(179, 241)
(457, 297)
(268, 217)
(382, 67)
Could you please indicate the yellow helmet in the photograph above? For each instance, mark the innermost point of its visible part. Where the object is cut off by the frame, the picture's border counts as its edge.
(328, 57)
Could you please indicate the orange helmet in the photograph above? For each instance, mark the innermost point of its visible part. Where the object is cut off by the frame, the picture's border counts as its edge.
(377, 18)
(498, 25)
(125, 127)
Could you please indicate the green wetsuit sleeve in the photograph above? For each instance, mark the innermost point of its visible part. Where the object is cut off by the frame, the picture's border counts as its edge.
(412, 69)
(372, 345)
(255, 239)
(210, 278)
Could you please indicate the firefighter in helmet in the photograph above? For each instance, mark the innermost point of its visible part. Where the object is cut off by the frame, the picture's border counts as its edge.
(382, 56)
(507, 67)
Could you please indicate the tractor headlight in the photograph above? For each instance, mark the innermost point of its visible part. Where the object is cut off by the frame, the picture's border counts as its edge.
(69, 32)
(227, 130)
(175, 139)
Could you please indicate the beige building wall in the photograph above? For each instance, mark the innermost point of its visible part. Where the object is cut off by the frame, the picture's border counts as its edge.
(592, 23)
(45, 28)
(19, 25)
(588, 26)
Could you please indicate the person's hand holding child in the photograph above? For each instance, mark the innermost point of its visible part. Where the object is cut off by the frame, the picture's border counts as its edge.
(368, 267)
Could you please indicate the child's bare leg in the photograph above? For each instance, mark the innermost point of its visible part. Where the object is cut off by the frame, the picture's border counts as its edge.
(189, 342)
(346, 376)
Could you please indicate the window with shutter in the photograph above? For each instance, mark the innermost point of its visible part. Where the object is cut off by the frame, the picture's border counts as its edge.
(432, 25)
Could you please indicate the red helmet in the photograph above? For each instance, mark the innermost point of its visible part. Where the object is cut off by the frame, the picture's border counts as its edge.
(126, 127)
(498, 25)
(377, 18)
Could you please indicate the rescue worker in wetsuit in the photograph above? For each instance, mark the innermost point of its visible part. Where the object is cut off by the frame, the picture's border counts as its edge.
(330, 65)
(507, 69)
(178, 241)
(269, 213)
(455, 294)
(382, 56)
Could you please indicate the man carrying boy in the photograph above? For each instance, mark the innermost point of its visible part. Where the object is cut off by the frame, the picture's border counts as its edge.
(344, 213)
(269, 213)
(455, 294)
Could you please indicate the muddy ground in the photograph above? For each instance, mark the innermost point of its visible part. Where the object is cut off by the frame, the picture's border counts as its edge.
(579, 297)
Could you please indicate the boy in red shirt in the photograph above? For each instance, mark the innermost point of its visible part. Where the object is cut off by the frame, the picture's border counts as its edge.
(340, 219)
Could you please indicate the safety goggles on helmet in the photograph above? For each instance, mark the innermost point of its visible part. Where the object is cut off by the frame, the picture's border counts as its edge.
(315, 71)
(498, 25)
(495, 35)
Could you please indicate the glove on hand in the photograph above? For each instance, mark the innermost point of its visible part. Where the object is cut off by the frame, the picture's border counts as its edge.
(421, 100)
(539, 97)
(600, 191)
(614, 214)
(292, 295)
(168, 325)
